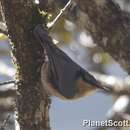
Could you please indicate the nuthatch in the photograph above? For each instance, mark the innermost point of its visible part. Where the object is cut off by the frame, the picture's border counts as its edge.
(60, 75)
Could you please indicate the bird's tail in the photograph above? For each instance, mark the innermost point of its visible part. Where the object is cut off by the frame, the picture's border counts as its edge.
(90, 79)
(104, 87)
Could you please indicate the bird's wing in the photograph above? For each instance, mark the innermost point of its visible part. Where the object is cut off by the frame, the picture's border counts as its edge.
(65, 73)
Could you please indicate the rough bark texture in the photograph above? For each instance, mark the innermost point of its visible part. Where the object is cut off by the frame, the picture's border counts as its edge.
(32, 103)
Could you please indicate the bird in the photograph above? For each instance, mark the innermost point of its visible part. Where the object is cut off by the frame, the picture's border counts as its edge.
(60, 75)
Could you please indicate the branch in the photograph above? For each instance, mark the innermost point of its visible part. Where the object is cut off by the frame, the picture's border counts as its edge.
(7, 89)
(118, 86)
(8, 82)
(51, 24)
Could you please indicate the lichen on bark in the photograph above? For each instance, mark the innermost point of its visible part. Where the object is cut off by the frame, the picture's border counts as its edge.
(31, 101)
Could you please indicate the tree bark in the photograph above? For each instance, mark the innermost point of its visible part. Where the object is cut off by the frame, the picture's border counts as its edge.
(32, 103)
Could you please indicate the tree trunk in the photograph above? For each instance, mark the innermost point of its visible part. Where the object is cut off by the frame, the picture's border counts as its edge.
(32, 103)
